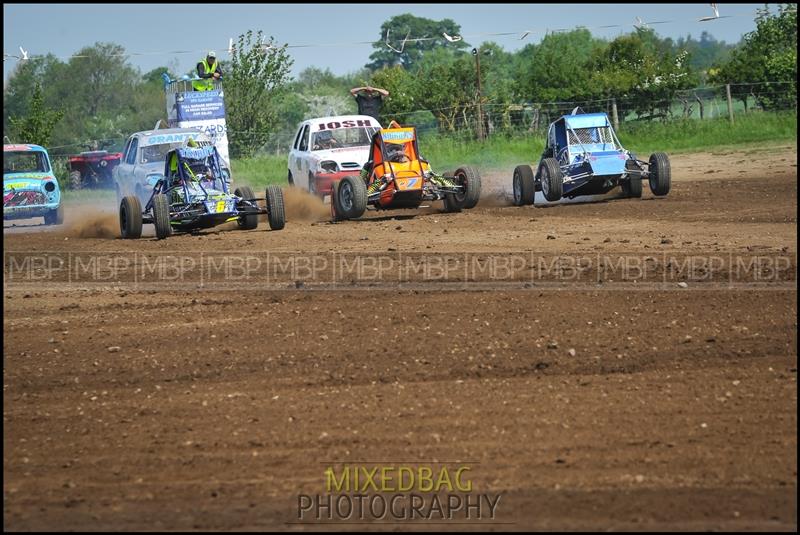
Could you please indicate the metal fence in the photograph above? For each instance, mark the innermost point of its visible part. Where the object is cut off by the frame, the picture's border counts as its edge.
(700, 103)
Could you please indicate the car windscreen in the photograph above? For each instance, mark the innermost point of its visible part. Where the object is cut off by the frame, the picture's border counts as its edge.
(25, 162)
(158, 153)
(600, 138)
(342, 138)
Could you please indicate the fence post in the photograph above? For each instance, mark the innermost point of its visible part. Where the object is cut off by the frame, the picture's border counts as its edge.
(614, 116)
(730, 103)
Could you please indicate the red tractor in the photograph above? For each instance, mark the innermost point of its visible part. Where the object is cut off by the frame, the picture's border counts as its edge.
(93, 169)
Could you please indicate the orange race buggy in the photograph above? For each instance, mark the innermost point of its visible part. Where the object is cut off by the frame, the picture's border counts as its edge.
(396, 176)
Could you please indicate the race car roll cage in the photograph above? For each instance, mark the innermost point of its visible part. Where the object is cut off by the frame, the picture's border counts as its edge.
(192, 211)
(585, 153)
(379, 143)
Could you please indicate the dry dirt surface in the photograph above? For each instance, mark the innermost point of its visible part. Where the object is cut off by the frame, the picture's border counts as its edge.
(587, 391)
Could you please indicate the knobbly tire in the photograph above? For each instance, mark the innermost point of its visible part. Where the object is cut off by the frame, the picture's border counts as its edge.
(524, 185)
(247, 221)
(75, 180)
(455, 202)
(660, 174)
(472, 179)
(351, 197)
(130, 218)
(161, 216)
(276, 213)
(552, 179)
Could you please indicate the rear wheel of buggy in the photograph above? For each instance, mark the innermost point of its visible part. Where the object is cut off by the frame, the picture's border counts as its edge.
(351, 197)
(75, 179)
(552, 179)
(130, 218)
(276, 214)
(660, 174)
(632, 187)
(161, 216)
(247, 221)
(55, 217)
(524, 185)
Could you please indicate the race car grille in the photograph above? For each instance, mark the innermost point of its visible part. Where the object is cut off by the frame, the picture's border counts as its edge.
(23, 198)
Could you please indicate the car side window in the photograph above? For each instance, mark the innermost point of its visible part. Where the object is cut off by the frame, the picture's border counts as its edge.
(125, 150)
(297, 137)
(132, 149)
(304, 141)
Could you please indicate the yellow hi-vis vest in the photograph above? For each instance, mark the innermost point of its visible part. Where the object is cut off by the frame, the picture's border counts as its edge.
(205, 84)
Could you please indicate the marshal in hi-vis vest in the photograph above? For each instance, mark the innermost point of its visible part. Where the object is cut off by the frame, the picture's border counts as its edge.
(205, 84)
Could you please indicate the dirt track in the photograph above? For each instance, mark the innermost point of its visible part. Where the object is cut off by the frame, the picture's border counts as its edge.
(619, 400)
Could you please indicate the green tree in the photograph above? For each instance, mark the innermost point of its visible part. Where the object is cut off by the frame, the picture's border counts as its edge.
(451, 88)
(22, 82)
(705, 52)
(767, 55)
(403, 88)
(414, 27)
(37, 125)
(259, 73)
(556, 68)
(641, 72)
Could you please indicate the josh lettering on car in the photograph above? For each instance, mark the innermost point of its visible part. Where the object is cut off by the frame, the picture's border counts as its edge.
(208, 70)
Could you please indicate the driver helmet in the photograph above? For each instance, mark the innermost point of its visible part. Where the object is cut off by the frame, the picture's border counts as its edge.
(396, 153)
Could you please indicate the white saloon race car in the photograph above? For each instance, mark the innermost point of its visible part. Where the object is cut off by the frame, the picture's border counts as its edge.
(143, 159)
(327, 149)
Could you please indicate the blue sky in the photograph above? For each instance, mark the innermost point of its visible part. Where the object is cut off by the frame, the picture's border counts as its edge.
(155, 30)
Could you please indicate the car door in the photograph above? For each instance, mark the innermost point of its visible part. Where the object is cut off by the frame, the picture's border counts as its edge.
(303, 156)
(294, 153)
(122, 172)
(132, 159)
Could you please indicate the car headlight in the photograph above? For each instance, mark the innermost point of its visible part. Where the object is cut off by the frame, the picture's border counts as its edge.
(328, 166)
(49, 187)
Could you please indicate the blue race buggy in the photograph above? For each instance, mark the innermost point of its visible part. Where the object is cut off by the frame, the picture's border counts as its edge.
(193, 194)
(583, 156)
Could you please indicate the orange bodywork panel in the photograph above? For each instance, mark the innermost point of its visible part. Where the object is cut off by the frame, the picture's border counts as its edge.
(408, 176)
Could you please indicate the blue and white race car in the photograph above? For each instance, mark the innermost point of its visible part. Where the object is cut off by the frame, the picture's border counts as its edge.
(30, 188)
(583, 156)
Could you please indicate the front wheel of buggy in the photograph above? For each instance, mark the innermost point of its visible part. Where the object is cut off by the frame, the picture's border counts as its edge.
(130, 218)
(247, 221)
(552, 179)
(161, 216)
(524, 185)
(351, 197)
(276, 214)
(471, 180)
(660, 174)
